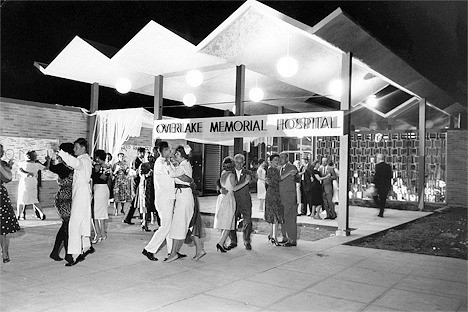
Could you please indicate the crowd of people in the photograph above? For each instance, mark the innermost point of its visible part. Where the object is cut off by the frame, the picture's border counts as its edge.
(162, 189)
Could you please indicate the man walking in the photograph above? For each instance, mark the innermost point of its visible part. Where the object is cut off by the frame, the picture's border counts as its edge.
(288, 196)
(382, 181)
(243, 204)
(136, 184)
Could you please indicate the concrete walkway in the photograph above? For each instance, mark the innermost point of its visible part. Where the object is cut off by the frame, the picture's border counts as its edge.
(323, 275)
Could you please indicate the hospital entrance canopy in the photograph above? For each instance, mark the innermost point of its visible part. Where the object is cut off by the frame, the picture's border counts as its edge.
(257, 36)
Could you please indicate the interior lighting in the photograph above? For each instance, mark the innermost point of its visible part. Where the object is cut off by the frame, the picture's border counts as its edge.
(189, 99)
(335, 88)
(123, 85)
(194, 78)
(256, 94)
(372, 100)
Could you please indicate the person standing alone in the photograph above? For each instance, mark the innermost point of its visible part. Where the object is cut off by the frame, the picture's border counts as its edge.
(382, 181)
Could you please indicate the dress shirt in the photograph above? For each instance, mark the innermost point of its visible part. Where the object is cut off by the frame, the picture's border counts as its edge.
(238, 173)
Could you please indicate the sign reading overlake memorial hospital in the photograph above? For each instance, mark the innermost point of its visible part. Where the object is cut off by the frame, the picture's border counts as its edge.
(224, 128)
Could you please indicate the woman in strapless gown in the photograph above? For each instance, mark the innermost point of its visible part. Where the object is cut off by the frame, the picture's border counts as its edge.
(226, 204)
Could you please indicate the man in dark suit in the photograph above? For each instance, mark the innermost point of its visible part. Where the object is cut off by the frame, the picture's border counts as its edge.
(306, 186)
(382, 181)
(288, 196)
(243, 204)
(327, 188)
(136, 183)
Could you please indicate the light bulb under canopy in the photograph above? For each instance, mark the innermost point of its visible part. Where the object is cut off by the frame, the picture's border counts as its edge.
(335, 88)
(256, 94)
(372, 100)
(194, 78)
(123, 85)
(287, 66)
(189, 99)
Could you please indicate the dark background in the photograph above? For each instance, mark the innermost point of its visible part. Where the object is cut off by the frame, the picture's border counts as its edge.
(431, 36)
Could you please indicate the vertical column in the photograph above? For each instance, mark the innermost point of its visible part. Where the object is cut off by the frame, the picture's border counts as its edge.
(158, 102)
(422, 152)
(343, 207)
(280, 139)
(240, 95)
(93, 107)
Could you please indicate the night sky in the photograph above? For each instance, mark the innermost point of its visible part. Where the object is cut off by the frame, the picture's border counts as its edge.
(430, 36)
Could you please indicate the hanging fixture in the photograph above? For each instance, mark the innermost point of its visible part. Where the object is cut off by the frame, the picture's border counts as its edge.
(287, 66)
(123, 85)
(335, 87)
(194, 78)
(372, 100)
(256, 94)
(189, 99)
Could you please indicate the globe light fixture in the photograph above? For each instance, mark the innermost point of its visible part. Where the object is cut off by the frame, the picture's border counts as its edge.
(189, 99)
(123, 85)
(256, 94)
(372, 100)
(287, 66)
(194, 78)
(335, 88)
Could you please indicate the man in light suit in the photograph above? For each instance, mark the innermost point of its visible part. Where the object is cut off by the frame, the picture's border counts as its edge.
(243, 204)
(287, 188)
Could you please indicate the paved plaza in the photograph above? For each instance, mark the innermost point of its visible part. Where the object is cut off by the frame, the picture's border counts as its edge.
(322, 275)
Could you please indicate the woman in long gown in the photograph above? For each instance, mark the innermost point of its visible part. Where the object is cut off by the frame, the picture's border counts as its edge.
(226, 203)
(274, 210)
(8, 222)
(27, 186)
(122, 190)
(261, 188)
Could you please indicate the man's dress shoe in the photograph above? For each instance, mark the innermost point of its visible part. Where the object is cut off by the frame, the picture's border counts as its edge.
(149, 255)
(248, 246)
(289, 244)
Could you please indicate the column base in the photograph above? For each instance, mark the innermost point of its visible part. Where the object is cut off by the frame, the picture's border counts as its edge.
(342, 232)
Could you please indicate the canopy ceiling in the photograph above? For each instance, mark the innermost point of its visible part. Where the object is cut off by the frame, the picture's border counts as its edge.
(256, 36)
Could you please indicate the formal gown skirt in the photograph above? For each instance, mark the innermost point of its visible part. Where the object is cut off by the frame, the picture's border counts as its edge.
(261, 189)
(101, 201)
(183, 212)
(225, 210)
(198, 228)
(9, 223)
(27, 191)
(316, 193)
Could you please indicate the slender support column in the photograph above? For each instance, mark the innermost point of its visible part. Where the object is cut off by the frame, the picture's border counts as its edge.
(93, 107)
(422, 152)
(343, 206)
(240, 95)
(158, 102)
(280, 139)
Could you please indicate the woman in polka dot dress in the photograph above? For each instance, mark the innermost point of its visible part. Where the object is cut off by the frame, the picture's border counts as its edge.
(9, 223)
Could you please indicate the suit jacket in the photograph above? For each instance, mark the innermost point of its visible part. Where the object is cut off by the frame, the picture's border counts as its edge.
(287, 187)
(243, 198)
(383, 177)
(327, 184)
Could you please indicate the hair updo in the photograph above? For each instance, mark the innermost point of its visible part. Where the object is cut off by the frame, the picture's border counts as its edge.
(228, 164)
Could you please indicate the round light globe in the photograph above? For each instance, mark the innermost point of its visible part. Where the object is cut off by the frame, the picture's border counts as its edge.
(372, 101)
(287, 66)
(194, 78)
(123, 85)
(256, 94)
(189, 99)
(335, 87)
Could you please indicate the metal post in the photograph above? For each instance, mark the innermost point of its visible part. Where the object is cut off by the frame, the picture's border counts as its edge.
(280, 139)
(422, 152)
(240, 95)
(343, 206)
(93, 107)
(158, 102)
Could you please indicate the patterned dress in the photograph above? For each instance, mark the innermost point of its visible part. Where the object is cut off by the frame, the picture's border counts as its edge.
(63, 198)
(122, 190)
(274, 211)
(8, 222)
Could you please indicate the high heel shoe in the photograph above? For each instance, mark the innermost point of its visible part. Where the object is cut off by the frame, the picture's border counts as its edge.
(220, 248)
(274, 242)
(96, 240)
(144, 228)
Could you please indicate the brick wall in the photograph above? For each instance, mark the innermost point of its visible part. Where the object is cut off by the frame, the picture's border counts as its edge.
(457, 167)
(43, 121)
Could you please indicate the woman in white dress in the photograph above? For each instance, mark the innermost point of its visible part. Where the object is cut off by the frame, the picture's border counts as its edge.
(261, 188)
(226, 204)
(184, 203)
(27, 186)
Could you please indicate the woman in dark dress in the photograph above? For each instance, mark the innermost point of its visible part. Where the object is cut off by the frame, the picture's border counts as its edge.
(8, 222)
(274, 210)
(316, 193)
(62, 201)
